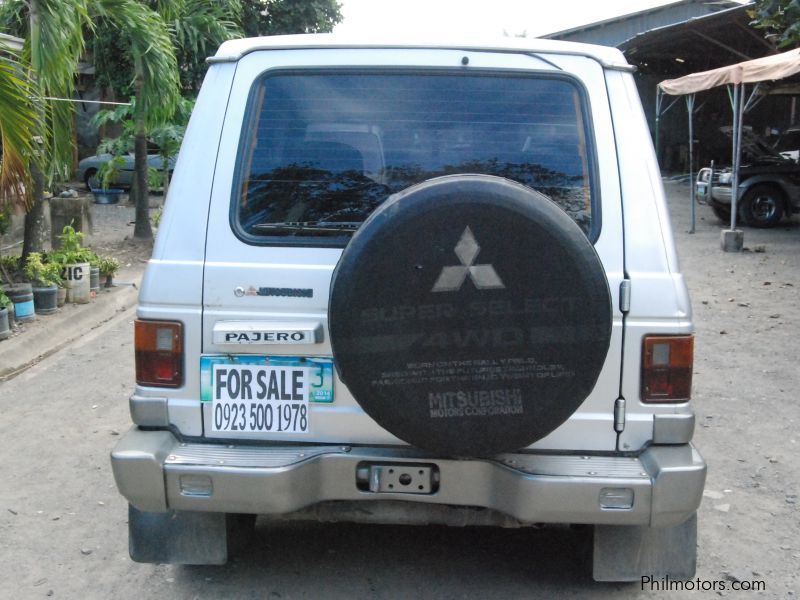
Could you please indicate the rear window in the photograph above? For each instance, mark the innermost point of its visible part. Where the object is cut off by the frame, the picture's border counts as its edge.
(321, 150)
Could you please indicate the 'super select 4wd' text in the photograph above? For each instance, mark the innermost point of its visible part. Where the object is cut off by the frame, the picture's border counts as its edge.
(415, 283)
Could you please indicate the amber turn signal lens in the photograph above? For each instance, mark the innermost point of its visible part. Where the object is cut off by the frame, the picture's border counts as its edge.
(667, 364)
(159, 353)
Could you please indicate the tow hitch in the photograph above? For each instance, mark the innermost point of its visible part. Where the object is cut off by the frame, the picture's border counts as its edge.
(397, 478)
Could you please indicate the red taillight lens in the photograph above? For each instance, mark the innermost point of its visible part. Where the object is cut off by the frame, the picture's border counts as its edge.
(159, 353)
(667, 363)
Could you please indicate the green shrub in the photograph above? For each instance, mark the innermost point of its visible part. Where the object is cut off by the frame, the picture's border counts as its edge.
(4, 300)
(41, 272)
(72, 250)
(108, 265)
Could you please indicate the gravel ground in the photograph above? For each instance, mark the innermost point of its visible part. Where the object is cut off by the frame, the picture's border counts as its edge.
(747, 313)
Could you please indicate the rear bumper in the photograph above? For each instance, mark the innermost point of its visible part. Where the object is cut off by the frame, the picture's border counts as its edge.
(157, 472)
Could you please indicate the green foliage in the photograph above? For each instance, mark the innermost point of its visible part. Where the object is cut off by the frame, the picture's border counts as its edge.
(198, 27)
(10, 263)
(195, 28)
(155, 218)
(274, 17)
(155, 179)
(72, 249)
(43, 273)
(5, 220)
(108, 265)
(4, 300)
(778, 18)
(153, 55)
(53, 32)
(18, 126)
(108, 173)
(112, 58)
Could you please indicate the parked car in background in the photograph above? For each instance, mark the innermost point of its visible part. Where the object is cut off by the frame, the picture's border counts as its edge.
(89, 166)
(769, 181)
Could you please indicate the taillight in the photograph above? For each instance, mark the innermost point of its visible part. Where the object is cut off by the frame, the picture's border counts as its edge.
(159, 353)
(667, 363)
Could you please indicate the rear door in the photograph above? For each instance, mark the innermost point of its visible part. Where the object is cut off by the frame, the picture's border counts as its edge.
(318, 138)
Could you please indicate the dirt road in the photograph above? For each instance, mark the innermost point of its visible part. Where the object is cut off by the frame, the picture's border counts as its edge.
(63, 525)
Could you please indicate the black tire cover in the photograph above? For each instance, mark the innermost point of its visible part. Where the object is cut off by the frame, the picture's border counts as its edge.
(469, 315)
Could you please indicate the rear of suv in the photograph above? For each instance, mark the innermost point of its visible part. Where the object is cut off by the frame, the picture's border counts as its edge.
(429, 283)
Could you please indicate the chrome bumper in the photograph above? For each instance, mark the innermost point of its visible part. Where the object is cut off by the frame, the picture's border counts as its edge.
(156, 472)
(719, 193)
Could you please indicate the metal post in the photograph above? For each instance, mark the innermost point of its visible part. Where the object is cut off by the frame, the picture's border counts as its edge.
(690, 110)
(732, 240)
(737, 149)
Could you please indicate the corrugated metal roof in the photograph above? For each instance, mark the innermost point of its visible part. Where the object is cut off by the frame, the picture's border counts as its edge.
(615, 31)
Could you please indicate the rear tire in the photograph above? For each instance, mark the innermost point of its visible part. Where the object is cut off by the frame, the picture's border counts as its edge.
(763, 206)
(722, 212)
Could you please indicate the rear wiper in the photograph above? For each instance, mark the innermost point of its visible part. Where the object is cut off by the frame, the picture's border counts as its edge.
(317, 226)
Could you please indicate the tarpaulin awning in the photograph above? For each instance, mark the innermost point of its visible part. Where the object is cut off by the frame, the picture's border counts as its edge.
(768, 68)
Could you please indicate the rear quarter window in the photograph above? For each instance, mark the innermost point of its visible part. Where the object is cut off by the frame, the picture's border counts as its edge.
(322, 149)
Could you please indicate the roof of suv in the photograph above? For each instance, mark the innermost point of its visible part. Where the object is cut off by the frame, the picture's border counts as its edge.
(233, 50)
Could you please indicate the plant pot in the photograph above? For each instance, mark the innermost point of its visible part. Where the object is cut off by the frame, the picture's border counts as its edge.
(94, 281)
(76, 280)
(107, 196)
(21, 294)
(45, 299)
(109, 281)
(5, 327)
(61, 297)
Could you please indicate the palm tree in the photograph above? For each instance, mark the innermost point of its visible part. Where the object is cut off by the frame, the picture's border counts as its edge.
(155, 83)
(54, 42)
(194, 27)
(17, 127)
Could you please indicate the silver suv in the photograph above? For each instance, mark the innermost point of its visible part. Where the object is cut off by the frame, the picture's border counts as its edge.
(429, 283)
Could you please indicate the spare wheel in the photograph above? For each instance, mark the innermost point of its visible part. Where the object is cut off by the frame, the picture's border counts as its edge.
(469, 315)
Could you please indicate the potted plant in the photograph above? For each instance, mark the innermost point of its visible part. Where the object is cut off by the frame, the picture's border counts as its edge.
(74, 260)
(107, 175)
(5, 326)
(45, 278)
(108, 267)
(20, 293)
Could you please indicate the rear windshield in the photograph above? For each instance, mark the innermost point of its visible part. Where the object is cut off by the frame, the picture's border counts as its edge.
(321, 150)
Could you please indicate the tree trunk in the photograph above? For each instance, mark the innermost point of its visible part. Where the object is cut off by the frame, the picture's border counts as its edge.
(34, 219)
(141, 229)
(35, 233)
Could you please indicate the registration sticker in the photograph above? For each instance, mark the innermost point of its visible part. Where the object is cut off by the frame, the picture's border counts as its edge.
(264, 394)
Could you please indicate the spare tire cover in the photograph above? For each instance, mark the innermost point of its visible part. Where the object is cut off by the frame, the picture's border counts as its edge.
(469, 315)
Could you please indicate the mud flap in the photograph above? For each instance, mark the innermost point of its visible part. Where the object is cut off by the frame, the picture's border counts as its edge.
(184, 538)
(629, 553)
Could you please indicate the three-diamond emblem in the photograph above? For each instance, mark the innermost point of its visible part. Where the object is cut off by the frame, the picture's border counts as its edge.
(484, 277)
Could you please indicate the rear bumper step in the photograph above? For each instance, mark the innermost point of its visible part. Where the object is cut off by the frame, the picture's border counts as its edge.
(660, 487)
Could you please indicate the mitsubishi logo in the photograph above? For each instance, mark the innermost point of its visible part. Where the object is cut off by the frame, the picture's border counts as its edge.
(483, 276)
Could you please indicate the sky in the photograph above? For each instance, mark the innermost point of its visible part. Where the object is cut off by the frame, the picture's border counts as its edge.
(486, 18)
